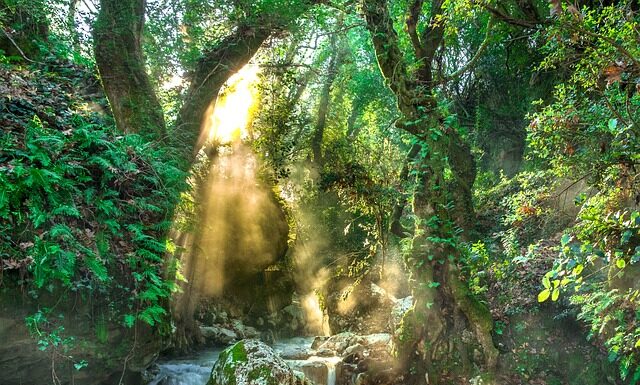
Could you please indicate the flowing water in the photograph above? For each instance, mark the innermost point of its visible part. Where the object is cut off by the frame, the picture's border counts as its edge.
(195, 369)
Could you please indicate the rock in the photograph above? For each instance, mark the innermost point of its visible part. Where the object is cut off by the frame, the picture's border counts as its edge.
(325, 352)
(251, 332)
(361, 379)
(340, 342)
(315, 371)
(378, 340)
(294, 311)
(251, 362)
(239, 328)
(353, 350)
(318, 341)
(295, 353)
(218, 335)
(222, 318)
(400, 307)
(294, 325)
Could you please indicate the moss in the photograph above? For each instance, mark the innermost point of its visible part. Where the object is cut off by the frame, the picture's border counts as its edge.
(238, 353)
(264, 373)
(229, 358)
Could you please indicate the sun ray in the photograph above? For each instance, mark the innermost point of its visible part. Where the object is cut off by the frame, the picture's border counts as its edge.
(235, 105)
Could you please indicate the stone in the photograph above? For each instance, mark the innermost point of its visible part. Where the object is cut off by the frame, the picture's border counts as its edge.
(218, 335)
(238, 327)
(378, 340)
(295, 353)
(325, 352)
(340, 342)
(316, 371)
(252, 362)
(251, 332)
(318, 341)
(399, 309)
(353, 350)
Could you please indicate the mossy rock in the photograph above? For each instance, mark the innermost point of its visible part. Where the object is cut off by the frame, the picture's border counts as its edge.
(251, 362)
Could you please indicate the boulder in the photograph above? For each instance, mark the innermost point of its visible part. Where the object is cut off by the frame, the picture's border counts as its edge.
(295, 353)
(339, 343)
(218, 335)
(400, 307)
(252, 362)
(315, 371)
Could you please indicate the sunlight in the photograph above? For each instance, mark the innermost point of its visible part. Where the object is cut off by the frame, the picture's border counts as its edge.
(234, 107)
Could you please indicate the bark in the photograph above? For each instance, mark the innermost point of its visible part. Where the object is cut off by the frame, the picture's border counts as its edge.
(118, 50)
(396, 227)
(443, 305)
(323, 104)
(71, 24)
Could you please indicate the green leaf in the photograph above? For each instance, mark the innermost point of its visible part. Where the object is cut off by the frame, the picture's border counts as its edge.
(613, 124)
(565, 239)
(555, 295)
(81, 364)
(129, 320)
(545, 282)
(544, 295)
(621, 263)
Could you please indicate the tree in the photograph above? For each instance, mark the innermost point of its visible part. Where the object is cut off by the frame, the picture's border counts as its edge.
(117, 34)
(24, 28)
(442, 200)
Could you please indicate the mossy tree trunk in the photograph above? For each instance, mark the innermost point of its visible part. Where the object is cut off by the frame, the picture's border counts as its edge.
(430, 342)
(117, 36)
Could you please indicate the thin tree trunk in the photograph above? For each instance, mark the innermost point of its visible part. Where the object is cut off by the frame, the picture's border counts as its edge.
(323, 104)
(71, 24)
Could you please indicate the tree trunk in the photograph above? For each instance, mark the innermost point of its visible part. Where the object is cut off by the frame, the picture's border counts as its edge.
(118, 49)
(323, 104)
(71, 24)
(218, 64)
(430, 343)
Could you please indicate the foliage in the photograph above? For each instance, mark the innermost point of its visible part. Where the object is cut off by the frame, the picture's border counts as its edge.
(84, 208)
(590, 132)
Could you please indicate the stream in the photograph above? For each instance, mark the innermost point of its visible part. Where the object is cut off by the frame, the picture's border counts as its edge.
(195, 369)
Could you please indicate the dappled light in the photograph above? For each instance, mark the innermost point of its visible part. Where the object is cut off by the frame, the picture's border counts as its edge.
(306, 192)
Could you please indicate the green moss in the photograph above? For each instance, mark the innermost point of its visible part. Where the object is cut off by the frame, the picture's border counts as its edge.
(238, 353)
(263, 372)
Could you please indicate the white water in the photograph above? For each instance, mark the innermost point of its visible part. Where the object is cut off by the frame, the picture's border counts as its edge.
(196, 369)
(193, 370)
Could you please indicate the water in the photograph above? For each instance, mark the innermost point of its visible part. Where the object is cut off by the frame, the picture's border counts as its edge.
(195, 369)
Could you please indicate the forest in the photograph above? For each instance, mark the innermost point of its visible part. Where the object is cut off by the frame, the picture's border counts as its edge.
(320, 192)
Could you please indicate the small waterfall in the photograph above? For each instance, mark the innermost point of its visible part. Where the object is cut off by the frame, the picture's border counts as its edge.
(331, 375)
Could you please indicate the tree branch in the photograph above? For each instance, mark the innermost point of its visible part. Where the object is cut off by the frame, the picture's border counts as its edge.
(413, 16)
(474, 60)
